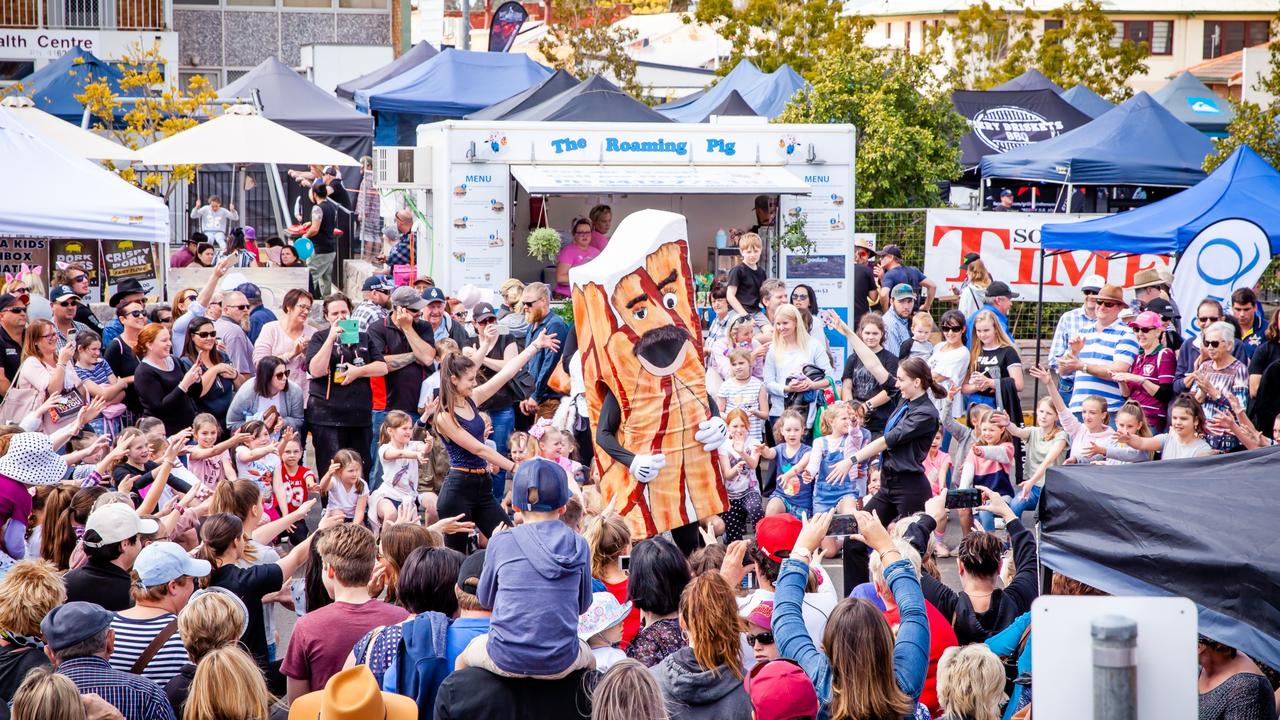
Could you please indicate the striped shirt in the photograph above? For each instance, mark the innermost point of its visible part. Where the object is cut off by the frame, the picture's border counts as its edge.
(133, 637)
(1072, 323)
(744, 396)
(1104, 347)
(136, 698)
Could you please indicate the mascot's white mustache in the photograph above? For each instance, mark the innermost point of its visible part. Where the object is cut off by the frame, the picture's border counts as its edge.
(661, 350)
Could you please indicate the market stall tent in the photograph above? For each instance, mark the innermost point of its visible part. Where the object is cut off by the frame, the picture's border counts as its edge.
(1087, 101)
(297, 103)
(241, 136)
(1136, 143)
(1005, 120)
(525, 99)
(53, 87)
(1192, 102)
(593, 100)
(1032, 79)
(104, 206)
(449, 85)
(766, 93)
(417, 55)
(732, 106)
(71, 138)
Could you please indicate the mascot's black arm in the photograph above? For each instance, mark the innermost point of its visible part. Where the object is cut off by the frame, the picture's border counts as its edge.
(611, 419)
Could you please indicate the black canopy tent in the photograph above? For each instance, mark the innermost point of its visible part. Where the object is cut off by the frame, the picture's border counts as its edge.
(416, 55)
(1031, 79)
(521, 101)
(593, 100)
(732, 105)
(1203, 528)
(1002, 120)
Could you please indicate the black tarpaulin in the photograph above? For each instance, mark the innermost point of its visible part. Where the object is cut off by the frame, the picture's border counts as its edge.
(416, 55)
(1001, 120)
(733, 104)
(593, 100)
(521, 101)
(1201, 528)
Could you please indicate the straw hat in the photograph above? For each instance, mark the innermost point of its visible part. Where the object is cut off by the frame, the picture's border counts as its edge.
(353, 694)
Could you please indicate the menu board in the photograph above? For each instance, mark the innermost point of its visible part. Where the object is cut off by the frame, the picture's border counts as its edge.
(83, 253)
(828, 267)
(479, 225)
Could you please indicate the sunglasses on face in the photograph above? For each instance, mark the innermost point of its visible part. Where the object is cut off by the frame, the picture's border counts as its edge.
(20, 291)
(1207, 320)
(79, 278)
(486, 321)
(461, 315)
(188, 298)
(1212, 343)
(216, 303)
(68, 303)
(952, 328)
(238, 307)
(1110, 303)
(764, 638)
(1145, 330)
(280, 374)
(134, 313)
(207, 334)
(17, 310)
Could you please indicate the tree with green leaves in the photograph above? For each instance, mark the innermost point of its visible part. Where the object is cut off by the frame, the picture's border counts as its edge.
(1255, 125)
(908, 131)
(771, 33)
(582, 39)
(988, 45)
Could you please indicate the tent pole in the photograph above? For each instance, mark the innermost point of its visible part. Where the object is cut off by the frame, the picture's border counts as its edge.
(1035, 397)
(278, 198)
(1066, 205)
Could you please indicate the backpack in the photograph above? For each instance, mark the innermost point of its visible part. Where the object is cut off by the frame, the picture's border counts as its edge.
(420, 663)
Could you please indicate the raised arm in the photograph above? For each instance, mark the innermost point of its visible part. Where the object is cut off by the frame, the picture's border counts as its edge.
(868, 358)
(544, 341)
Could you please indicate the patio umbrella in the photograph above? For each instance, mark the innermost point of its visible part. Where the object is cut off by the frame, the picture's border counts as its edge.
(241, 136)
(75, 140)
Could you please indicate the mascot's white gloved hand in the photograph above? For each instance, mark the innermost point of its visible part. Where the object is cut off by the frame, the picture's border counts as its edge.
(712, 433)
(646, 467)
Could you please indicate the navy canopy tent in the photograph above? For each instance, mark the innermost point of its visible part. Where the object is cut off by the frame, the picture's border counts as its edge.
(1087, 101)
(1005, 120)
(521, 101)
(1136, 143)
(593, 100)
(53, 87)
(417, 55)
(732, 105)
(449, 85)
(1032, 79)
(1196, 105)
(766, 93)
(1244, 186)
(298, 104)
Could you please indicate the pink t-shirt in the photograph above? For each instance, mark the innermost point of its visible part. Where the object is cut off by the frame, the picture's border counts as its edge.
(599, 240)
(575, 256)
(210, 470)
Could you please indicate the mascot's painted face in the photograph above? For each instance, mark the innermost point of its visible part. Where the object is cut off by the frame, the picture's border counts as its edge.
(651, 306)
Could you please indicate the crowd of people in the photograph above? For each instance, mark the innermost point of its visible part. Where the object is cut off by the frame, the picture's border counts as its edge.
(410, 478)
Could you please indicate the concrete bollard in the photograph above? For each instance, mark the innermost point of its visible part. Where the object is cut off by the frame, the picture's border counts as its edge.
(1115, 668)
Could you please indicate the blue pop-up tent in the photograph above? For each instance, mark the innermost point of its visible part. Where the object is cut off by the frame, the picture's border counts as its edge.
(1135, 143)
(531, 97)
(1087, 101)
(449, 85)
(1244, 186)
(766, 93)
(53, 87)
(417, 55)
(1192, 102)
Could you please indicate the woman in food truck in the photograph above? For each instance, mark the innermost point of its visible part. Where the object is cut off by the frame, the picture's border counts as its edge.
(576, 253)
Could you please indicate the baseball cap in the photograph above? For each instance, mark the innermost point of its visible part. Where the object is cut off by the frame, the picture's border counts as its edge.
(329, 170)
(776, 535)
(1147, 319)
(433, 294)
(249, 290)
(902, 290)
(7, 301)
(63, 292)
(1159, 306)
(1000, 289)
(469, 572)
(1006, 193)
(482, 311)
(72, 623)
(539, 485)
(381, 283)
(759, 612)
(893, 250)
(1092, 283)
(780, 690)
(969, 258)
(163, 562)
(116, 522)
(406, 297)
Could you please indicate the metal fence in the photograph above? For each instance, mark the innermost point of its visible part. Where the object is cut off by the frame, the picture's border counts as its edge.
(85, 14)
(257, 211)
(906, 229)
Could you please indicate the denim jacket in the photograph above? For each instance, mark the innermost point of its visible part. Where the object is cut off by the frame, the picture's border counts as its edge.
(543, 362)
(910, 648)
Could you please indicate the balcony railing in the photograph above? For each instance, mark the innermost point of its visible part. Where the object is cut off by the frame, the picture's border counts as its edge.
(85, 14)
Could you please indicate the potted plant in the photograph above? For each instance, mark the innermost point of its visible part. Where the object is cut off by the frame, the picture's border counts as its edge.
(544, 244)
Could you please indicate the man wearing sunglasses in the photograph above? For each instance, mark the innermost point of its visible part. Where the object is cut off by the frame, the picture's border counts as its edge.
(1108, 347)
(65, 302)
(13, 323)
(1072, 323)
(1208, 312)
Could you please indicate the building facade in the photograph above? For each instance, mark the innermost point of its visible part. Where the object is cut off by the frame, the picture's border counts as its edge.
(1180, 33)
(34, 32)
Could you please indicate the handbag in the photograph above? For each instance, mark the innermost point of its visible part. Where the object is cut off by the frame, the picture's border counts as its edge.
(19, 402)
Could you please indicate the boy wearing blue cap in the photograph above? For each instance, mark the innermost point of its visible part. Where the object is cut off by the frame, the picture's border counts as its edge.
(537, 580)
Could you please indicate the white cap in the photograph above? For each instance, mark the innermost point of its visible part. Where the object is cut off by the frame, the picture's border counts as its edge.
(1093, 282)
(116, 522)
(163, 562)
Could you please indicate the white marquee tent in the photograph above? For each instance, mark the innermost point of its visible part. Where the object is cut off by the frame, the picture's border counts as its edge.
(56, 194)
(72, 138)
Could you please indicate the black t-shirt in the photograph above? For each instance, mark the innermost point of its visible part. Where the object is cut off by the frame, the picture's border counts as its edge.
(864, 283)
(218, 399)
(333, 403)
(124, 364)
(323, 239)
(251, 584)
(101, 583)
(477, 694)
(505, 397)
(1266, 354)
(403, 385)
(1002, 357)
(10, 355)
(865, 387)
(747, 282)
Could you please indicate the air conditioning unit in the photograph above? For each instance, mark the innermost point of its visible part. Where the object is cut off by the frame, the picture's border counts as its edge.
(402, 167)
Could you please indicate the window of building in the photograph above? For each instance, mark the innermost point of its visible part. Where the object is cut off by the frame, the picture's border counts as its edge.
(1223, 37)
(1052, 24)
(16, 69)
(81, 13)
(1157, 34)
(249, 3)
(362, 4)
(213, 77)
(325, 4)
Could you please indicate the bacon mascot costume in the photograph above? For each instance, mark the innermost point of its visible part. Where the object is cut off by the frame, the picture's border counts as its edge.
(640, 345)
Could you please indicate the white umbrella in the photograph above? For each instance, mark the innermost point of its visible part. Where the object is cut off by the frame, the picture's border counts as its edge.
(73, 139)
(241, 136)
